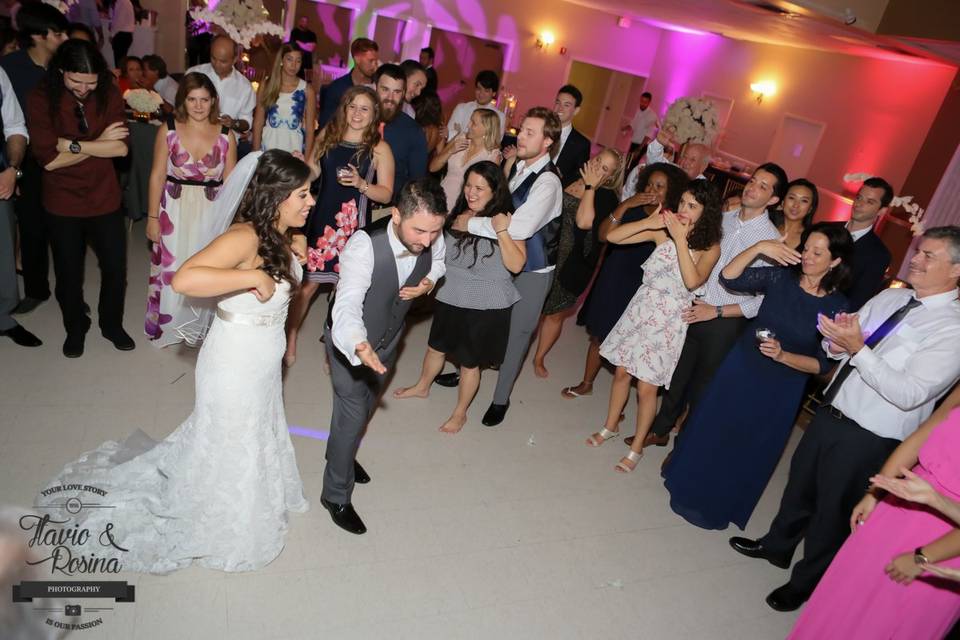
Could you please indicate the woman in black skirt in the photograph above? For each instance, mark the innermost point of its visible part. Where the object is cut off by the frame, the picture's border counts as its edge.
(471, 320)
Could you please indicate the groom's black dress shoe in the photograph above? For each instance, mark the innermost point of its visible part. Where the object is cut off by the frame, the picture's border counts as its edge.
(21, 336)
(360, 475)
(344, 516)
(495, 414)
(448, 379)
(785, 598)
(120, 339)
(755, 549)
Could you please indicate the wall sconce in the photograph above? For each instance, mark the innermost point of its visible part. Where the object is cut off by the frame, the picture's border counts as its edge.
(763, 89)
(545, 39)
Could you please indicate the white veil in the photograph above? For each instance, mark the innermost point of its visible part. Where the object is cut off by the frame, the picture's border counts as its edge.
(214, 223)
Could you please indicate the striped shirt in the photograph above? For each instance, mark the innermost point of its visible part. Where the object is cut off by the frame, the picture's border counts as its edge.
(738, 236)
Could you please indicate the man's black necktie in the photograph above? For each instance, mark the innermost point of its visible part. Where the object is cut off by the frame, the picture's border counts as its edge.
(882, 332)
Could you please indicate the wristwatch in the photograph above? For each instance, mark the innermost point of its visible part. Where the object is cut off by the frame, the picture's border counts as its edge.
(74, 146)
(18, 173)
(587, 187)
(919, 558)
(719, 310)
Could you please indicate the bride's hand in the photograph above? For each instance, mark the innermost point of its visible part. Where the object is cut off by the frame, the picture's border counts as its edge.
(299, 247)
(264, 285)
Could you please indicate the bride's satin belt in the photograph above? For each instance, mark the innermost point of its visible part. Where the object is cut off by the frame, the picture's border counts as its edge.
(262, 320)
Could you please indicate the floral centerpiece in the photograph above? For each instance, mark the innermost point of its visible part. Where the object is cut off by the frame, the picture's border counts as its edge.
(144, 103)
(692, 120)
(242, 20)
(914, 210)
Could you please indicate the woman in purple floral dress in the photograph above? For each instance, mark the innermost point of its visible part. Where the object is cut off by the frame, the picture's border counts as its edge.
(192, 157)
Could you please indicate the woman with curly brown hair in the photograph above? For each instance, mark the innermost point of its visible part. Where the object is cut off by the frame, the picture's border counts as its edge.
(346, 156)
(646, 341)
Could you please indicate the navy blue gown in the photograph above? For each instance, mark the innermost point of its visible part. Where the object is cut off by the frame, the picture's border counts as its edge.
(738, 430)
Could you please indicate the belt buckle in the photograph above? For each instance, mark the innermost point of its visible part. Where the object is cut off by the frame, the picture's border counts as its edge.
(836, 413)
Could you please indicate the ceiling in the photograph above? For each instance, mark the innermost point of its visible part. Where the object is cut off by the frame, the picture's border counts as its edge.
(775, 22)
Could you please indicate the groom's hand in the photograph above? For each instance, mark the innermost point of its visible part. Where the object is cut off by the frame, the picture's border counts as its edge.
(369, 358)
(409, 293)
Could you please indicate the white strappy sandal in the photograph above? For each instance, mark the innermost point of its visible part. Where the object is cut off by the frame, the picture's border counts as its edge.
(598, 438)
(633, 457)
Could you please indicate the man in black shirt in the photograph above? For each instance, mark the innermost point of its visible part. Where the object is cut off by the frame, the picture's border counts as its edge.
(426, 59)
(42, 30)
(304, 40)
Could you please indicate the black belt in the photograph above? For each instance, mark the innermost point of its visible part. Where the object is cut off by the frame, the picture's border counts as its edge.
(839, 415)
(195, 183)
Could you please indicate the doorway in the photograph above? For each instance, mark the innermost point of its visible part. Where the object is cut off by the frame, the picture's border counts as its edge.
(459, 58)
(604, 120)
(795, 144)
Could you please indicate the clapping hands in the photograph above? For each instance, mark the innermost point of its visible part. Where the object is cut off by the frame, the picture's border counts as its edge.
(676, 227)
(843, 332)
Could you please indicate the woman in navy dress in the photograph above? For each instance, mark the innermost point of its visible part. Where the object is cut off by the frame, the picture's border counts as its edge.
(739, 428)
(621, 271)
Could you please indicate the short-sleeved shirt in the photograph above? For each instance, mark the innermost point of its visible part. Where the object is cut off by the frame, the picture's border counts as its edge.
(89, 188)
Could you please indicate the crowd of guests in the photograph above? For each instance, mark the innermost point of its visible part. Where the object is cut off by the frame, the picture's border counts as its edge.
(722, 314)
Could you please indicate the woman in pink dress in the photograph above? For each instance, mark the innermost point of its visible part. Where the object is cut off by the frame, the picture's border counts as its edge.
(481, 141)
(883, 582)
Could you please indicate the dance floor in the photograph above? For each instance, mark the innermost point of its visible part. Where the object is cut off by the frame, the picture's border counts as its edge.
(515, 532)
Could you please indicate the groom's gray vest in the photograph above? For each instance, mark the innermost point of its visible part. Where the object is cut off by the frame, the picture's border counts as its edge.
(383, 310)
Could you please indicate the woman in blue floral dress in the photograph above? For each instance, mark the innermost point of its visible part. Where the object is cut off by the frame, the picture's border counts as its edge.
(284, 116)
(192, 157)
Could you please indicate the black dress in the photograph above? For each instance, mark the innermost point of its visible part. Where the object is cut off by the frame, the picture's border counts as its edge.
(620, 276)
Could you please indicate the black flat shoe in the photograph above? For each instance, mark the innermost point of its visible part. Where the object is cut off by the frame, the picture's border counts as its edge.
(120, 339)
(73, 345)
(755, 549)
(21, 336)
(360, 475)
(495, 414)
(344, 516)
(448, 380)
(785, 598)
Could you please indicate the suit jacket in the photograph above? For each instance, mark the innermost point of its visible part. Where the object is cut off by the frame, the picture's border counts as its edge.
(573, 155)
(870, 261)
(431, 86)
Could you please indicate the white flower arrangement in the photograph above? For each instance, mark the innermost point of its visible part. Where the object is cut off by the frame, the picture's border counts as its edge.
(693, 120)
(242, 20)
(143, 100)
(905, 202)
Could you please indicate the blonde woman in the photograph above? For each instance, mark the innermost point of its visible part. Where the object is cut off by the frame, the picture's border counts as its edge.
(285, 114)
(344, 159)
(481, 141)
(586, 203)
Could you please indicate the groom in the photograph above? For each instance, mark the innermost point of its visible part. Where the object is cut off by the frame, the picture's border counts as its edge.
(382, 269)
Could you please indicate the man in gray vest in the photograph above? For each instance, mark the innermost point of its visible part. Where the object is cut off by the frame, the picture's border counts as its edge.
(382, 269)
(537, 199)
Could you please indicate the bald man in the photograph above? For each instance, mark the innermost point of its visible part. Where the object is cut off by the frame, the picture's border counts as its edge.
(237, 98)
(694, 160)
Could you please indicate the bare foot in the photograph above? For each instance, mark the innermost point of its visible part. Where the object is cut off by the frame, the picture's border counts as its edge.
(454, 424)
(539, 370)
(410, 392)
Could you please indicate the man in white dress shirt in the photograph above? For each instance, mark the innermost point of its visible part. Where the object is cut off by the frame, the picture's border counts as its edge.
(899, 356)
(237, 98)
(382, 269)
(643, 125)
(487, 86)
(538, 198)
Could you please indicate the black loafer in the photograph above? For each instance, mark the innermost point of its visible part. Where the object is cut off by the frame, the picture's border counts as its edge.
(449, 380)
(21, 336)
(755, 549)
(344, 516)
(120, 339)
(786, 598)
(360, 475)
(495, 414)
(73, 345)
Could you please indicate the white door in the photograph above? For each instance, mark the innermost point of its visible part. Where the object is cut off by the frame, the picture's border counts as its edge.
(795, 144)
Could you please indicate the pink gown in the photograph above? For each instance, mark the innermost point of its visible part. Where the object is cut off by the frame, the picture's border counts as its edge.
(856, 600)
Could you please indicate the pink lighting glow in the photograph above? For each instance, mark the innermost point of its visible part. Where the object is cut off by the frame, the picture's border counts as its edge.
(674, 27)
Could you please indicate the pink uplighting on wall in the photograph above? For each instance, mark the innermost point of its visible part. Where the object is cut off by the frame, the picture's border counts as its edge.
(675, 27)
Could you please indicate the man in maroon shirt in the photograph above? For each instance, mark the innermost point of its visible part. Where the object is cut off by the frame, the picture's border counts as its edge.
(77, 125)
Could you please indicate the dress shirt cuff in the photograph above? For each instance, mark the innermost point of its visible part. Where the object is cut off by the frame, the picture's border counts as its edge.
(346, 343)
(481, 227)
(437, 271)
(865, 358)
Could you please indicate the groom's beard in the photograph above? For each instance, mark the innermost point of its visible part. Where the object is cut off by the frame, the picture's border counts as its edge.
(388, 110)
(415, 248)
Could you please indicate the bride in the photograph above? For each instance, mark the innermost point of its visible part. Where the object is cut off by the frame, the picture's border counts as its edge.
(216, 491)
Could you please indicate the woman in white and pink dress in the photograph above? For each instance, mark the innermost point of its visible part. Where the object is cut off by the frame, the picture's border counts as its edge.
(481, 141)
(646, 342)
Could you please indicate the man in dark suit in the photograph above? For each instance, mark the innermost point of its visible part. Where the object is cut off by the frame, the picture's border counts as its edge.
(870, 256)
(574, 146)
(426, 59)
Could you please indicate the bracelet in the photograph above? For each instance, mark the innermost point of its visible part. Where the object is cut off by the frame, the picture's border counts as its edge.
(154, 217)
(363, 187)
(500, 231)
(614, 220)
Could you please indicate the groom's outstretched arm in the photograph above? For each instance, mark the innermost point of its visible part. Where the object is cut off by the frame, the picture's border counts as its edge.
(356, 272)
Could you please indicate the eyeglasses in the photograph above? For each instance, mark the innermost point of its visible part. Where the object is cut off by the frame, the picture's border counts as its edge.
(81, 119)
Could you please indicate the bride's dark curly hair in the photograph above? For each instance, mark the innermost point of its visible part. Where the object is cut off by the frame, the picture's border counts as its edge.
(278, 174)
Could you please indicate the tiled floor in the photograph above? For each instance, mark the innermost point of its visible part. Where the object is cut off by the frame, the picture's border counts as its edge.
(516, 532)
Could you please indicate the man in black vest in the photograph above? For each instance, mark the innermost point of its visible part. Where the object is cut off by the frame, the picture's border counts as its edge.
(537, 200)
(573, 150)
(870, 256)
(382, 269)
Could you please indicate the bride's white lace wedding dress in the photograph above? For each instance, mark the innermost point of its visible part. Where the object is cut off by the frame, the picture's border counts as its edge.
(216, 491)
